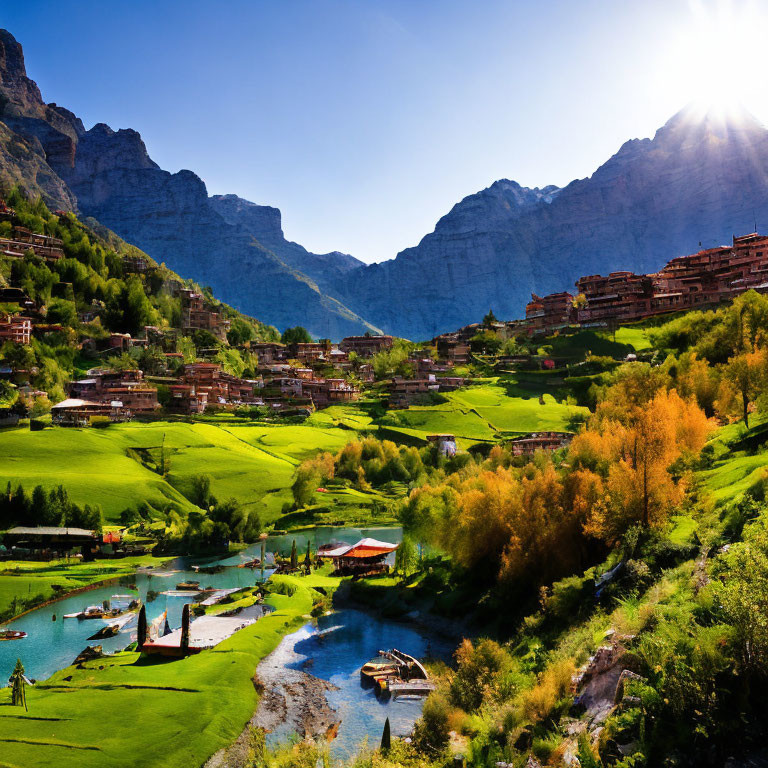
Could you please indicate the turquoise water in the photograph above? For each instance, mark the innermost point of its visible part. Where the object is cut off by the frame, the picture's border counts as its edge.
(52, 645)
(336, 649)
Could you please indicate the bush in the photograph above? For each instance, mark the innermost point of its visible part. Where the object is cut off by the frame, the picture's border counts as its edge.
(481, 668)
(431, 733)
(554, 684)
(100, 422)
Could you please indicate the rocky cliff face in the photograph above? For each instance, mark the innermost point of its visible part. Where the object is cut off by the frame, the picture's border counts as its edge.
(702, 178)
(110, 176)
(264, 224)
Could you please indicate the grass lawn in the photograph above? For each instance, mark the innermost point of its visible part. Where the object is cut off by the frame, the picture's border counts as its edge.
(732, 476)
(577, 345)
(634, 335)
(113, 467)
(130, 711)
(26, 580)
(488, 412)
(517, 414)
(735, 469)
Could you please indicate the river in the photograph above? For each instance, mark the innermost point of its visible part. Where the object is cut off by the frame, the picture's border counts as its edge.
(333, 650)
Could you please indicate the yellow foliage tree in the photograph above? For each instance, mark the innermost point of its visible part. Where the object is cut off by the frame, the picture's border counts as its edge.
(638, 452)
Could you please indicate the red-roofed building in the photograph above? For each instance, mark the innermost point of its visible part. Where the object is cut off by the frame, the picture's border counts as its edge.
(366, 557)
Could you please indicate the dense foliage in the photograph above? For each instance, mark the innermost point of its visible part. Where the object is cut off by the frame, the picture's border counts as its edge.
(92, 292)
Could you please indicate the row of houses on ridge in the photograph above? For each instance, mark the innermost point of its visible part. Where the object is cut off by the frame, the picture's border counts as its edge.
(700, 280)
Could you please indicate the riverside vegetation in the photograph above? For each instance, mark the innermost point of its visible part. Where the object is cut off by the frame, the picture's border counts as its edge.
(642, 544)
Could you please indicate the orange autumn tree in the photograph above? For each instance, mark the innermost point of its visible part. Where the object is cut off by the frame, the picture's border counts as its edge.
(632, 452)
(502, 522)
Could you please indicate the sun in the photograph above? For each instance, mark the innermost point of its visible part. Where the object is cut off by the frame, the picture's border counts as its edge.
(718, 61)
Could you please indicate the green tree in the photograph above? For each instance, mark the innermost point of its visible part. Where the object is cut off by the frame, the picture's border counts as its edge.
(240, 332)
(18, 683)
(201, 491)
(405, 557)
(141, 635)
(308, 559)
(184, 644)
(489, 319)
(20, 357)
(296, 335)
(386, 738)
(294, 556)
(62, 312)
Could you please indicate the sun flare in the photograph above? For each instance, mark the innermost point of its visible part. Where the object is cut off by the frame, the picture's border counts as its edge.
(717, 63)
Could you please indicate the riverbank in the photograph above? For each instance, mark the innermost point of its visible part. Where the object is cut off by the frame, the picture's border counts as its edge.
(125, 709)
(27, 585)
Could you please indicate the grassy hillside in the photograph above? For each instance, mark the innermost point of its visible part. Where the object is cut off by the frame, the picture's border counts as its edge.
(489, 411)
(110, 467)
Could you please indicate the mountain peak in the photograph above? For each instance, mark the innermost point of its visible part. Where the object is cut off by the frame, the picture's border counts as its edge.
(697, 121)
(21, 94)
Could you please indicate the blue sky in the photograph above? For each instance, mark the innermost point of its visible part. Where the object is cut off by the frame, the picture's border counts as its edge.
(364, 121)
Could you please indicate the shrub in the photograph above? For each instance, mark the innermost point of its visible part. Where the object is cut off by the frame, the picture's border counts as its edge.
(554, 683)
(480, 669)
(431, 733)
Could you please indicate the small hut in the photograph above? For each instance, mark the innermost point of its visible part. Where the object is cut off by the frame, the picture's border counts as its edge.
(367, 557)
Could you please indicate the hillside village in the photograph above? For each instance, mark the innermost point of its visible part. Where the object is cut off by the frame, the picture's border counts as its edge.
(223, 432)
(294, 378)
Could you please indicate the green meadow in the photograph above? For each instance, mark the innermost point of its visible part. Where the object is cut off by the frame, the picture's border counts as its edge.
(129, 710)
(488, 411)
(738, 462)
(116, 467)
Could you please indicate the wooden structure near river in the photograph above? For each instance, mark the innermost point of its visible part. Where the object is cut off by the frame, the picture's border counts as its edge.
(366, 558)
(395, 674)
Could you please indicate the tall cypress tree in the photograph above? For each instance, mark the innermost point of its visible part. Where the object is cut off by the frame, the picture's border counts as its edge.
(308, 560)
(141, 636)
(386, 738)
(294, 556)
(185, 629)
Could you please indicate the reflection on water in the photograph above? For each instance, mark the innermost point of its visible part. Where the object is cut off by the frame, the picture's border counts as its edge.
(51, 645)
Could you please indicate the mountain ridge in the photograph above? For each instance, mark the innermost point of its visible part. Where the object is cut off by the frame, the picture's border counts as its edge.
(701, 178)
(109, 175)
(698, 180)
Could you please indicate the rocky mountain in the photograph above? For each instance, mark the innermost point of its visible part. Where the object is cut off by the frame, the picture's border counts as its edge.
(702, 178)
(264, 223)
(110, 176)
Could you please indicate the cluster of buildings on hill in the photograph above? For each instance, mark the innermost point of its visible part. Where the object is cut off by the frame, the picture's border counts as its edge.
(289, 377)
(23, 240)
(14, 327)
(701, 280)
